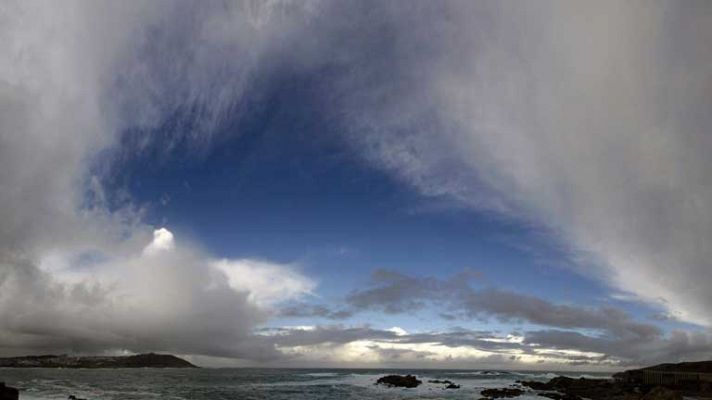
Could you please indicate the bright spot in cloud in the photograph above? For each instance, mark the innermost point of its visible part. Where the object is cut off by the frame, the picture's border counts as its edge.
(162, 241)
(267, 283)
(398, 331)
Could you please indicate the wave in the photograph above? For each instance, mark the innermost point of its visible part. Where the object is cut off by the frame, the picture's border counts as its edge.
(321, 374)
(480, 373)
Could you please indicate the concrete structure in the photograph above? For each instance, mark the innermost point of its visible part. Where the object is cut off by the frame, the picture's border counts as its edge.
(673, 378)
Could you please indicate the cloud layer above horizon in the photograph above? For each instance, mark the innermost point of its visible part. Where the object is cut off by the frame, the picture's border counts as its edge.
(589, 122)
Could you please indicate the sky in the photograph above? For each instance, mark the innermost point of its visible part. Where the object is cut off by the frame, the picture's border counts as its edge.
(454, 184)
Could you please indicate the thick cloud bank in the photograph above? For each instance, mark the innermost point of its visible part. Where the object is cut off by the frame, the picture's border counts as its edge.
(163, 297)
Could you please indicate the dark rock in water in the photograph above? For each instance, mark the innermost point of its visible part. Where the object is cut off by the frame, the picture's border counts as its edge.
(150, 360)
(536, 385)
(501, 393)
(8, 393)
(73, 397)
(576, 388)
(408, 381)
(662, 393)
(564, 388)
(452, 386)
(559, 396)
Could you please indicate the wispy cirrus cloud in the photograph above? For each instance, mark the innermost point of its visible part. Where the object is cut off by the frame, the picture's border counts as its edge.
(585, 119)
(302, 310)
(394, 292)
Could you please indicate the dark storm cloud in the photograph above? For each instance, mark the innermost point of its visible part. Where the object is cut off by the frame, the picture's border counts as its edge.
(394, 292)
(552, 344)
(459, 338)
(397, 293)
(677, 346)
(303, 310)
(326, 335)
(338, 335)
(398, 354)
(619, 338)
(512, 306)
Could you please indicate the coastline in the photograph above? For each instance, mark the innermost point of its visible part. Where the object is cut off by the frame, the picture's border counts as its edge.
(147, 360)
(327, 383)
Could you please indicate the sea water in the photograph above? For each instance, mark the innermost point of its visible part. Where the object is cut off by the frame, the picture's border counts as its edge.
(255, 384)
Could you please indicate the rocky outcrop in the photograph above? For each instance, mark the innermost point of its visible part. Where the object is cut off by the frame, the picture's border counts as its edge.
(8, 393)
(692, 379)
(150, 360)
(444, 381)
(501, 393)
(563, 388)
(558, 396)
(575, 388)
(662, 393)
(452, 386)
(660, 382)
(407, 381)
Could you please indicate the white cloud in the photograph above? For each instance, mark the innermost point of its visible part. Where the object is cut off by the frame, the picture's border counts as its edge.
(398, 331)
(267, 283)
(165, 299)
(162, 241)
(368, 347)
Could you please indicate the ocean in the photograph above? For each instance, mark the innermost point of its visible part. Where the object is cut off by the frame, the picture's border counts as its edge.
(255, 384)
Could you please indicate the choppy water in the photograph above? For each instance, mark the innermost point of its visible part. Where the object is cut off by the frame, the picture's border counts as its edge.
(251, 384)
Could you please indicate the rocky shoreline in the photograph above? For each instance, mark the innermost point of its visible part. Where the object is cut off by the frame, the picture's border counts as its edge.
(660, 382)
(149, 360)
(560, 388)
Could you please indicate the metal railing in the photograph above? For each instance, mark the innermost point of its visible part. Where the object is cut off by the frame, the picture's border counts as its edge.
(673, 377)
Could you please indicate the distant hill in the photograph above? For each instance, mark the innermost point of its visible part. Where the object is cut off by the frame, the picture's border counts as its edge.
(150, 360)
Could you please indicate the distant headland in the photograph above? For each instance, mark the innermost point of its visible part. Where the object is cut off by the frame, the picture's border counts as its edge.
(149, 360)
